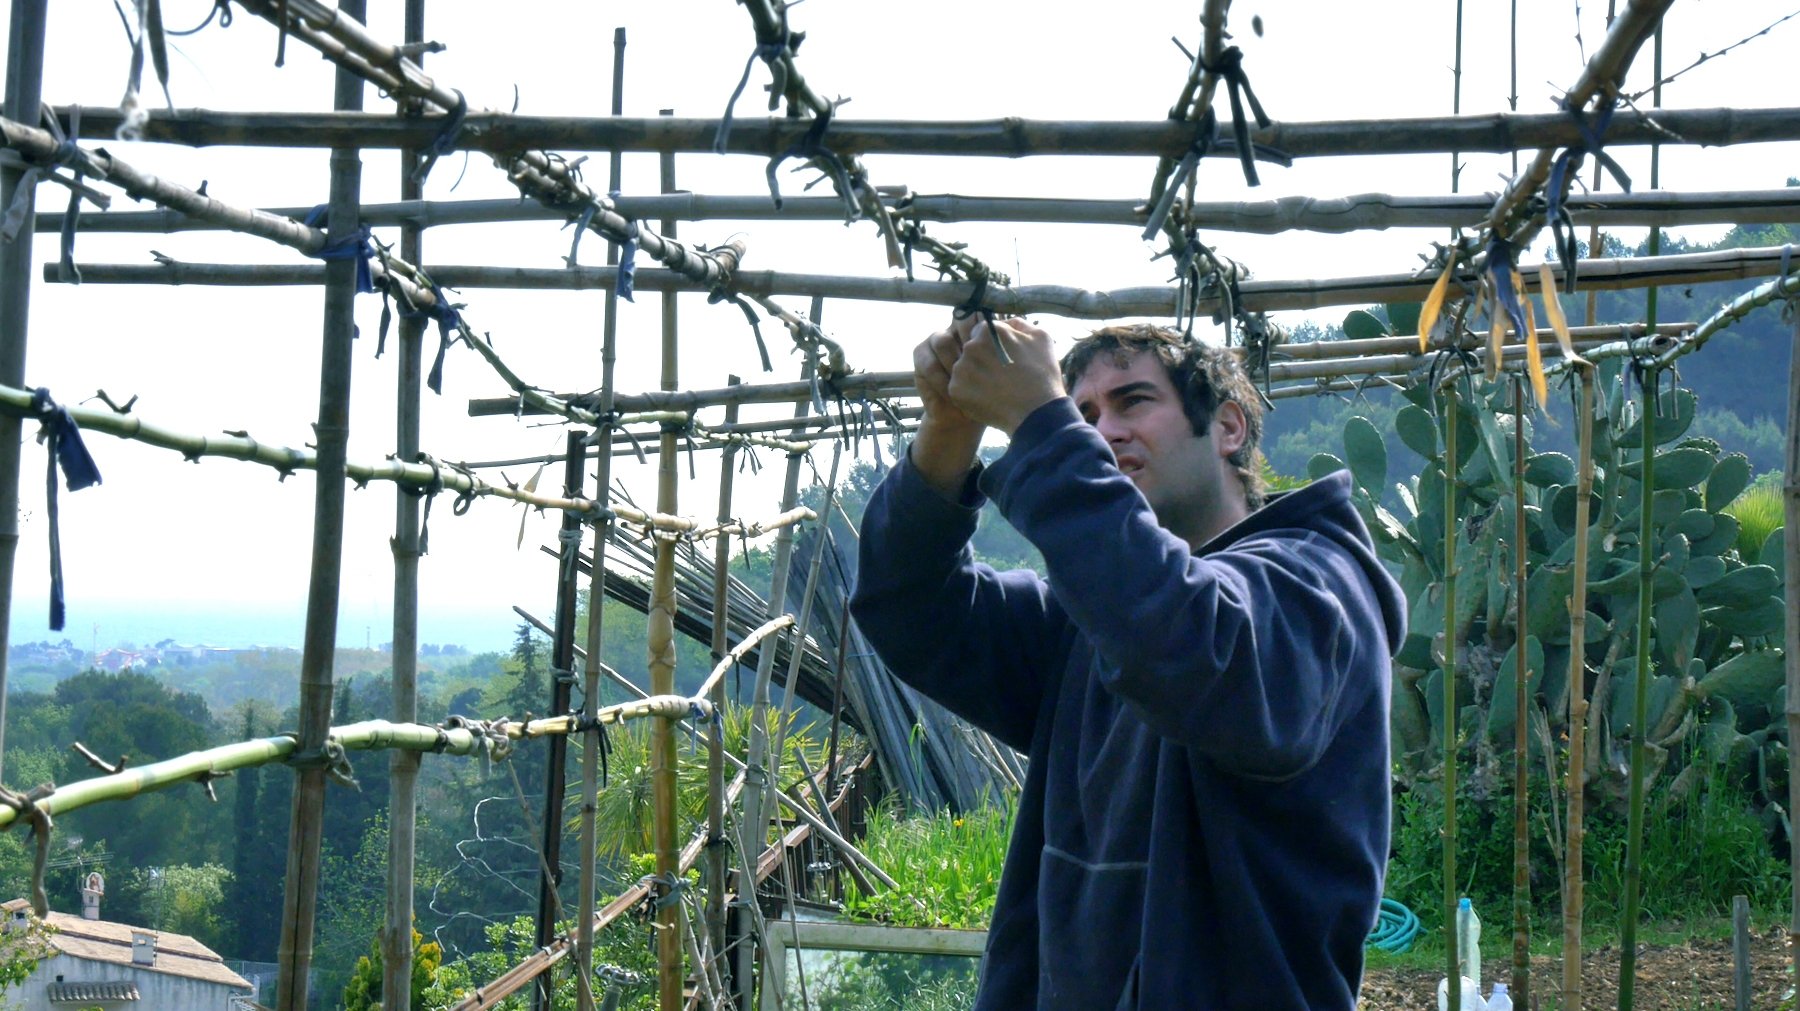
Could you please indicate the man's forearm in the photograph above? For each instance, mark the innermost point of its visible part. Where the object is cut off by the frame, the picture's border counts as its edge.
(943, 453)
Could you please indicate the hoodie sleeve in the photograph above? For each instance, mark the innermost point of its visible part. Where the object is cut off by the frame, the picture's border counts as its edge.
(976, 640)
(1242, 654)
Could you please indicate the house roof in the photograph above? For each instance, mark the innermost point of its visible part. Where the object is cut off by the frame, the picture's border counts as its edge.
(72, 993)
(105, 941)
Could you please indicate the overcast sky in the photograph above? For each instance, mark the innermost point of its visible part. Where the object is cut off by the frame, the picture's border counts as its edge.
(220, 538)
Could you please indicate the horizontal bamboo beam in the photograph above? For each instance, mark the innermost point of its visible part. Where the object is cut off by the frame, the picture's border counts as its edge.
(425, 476)
(1057, 300)
(1291, 361)
(499, 133)
(1660, 208)
(480, 737)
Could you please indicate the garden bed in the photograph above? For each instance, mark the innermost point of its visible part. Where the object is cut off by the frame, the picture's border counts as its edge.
(1692, 976)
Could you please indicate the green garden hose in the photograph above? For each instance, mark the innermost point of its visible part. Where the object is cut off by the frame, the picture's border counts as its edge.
(1395, 928)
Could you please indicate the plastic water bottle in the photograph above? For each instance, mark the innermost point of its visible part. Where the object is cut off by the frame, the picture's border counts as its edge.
(1468, 941)
(1499, 1000)
(1471, 995)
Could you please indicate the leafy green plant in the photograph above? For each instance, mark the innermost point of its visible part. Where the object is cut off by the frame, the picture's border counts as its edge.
(949, 863)
(1715, 619)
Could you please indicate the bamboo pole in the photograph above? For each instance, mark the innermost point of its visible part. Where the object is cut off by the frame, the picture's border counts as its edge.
(591, 742)
(1059, 300)
(562, 665)
(465, 738)
(1634, 837)
(1575, 786)
(1599, 78)
(807, 594)
(715, 754)
(757, 788)
(403, 766)
(1521, 953)
(1448, 670)
(540, 175)
(499, 133)
(1337, 215)
(661, 638)
(900, 383)
(1791, 544)
(239, 446)
(24, 95)
(300, 894)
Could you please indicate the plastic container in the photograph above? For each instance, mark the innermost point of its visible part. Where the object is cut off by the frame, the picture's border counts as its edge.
(1471, 995)
(1468, 941)
(1499, 1000)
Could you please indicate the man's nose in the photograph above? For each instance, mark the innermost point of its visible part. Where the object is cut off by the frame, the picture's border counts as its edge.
(1111, 428)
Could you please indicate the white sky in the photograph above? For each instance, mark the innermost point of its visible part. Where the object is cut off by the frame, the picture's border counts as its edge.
(222, 537)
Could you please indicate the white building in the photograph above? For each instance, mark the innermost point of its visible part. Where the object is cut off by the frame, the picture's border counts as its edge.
(92, 963)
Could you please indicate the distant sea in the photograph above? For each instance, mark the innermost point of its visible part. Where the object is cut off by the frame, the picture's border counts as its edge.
(106, 627)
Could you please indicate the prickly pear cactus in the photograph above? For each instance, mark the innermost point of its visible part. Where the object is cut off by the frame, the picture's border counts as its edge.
(1716, 618)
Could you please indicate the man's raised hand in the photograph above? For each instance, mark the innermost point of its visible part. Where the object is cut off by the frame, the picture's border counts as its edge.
(997, 393)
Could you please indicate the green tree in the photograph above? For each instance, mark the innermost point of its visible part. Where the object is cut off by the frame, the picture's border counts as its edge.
(363, 992)
(182, 898)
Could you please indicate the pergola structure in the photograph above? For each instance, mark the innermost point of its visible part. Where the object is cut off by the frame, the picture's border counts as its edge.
(1475, 277)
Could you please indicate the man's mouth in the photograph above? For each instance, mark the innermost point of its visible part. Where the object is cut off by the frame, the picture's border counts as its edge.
(1130, 466)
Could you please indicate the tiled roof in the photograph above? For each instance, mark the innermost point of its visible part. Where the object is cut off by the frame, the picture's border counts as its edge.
(70, 993)
(104, 941)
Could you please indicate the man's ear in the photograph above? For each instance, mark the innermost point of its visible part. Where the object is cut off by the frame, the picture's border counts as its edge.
(1229, 428)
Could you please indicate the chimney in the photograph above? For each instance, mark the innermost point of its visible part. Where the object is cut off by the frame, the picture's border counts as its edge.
(93, 887)
(143, 948)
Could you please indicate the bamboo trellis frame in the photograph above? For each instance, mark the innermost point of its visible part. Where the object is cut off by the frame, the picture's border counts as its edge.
(344, 42)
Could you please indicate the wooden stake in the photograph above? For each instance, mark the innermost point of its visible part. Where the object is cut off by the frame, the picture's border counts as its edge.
(661, 636)
(1575, 785)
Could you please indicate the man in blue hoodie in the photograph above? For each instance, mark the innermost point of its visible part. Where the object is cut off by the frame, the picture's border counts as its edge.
(1201, 685)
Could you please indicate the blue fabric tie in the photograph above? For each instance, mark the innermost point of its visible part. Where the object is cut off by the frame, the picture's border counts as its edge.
(1204, 134)
(811, 146)
(721, 295)
(445, 141)
(1568, 164)
(771, 54)
(63, 438)
(355, 246)
(1237, 87)
(1500, 268)
(449, 320)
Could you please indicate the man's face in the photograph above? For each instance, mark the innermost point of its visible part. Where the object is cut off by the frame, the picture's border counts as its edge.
(1138, 411)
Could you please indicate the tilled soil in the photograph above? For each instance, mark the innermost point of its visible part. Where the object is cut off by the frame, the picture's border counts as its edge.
(1696, 976)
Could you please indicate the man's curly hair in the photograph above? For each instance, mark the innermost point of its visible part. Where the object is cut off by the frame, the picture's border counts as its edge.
(1206, 376)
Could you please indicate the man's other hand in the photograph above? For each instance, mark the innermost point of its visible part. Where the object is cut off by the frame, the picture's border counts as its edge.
(997, 393)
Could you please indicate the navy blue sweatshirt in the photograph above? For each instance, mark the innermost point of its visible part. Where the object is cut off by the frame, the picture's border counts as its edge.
(1204, 823)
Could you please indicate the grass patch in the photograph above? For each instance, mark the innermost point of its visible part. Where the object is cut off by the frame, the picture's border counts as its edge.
(950, 863)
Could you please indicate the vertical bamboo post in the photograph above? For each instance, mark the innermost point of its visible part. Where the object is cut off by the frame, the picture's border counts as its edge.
(715, 757)
(1521, 960)
(662, 659)
(300, 896)
(756, 777)
(798, 653)
(24, 96)
(1740, 948)
(590, 674)
(1634, 832)
(403, 766)
(562, 666)
(1575, 785)
(1791, 544)
(1452, 972)
(1456, 72)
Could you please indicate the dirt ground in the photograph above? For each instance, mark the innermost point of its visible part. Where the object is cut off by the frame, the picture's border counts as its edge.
(1691, 977)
